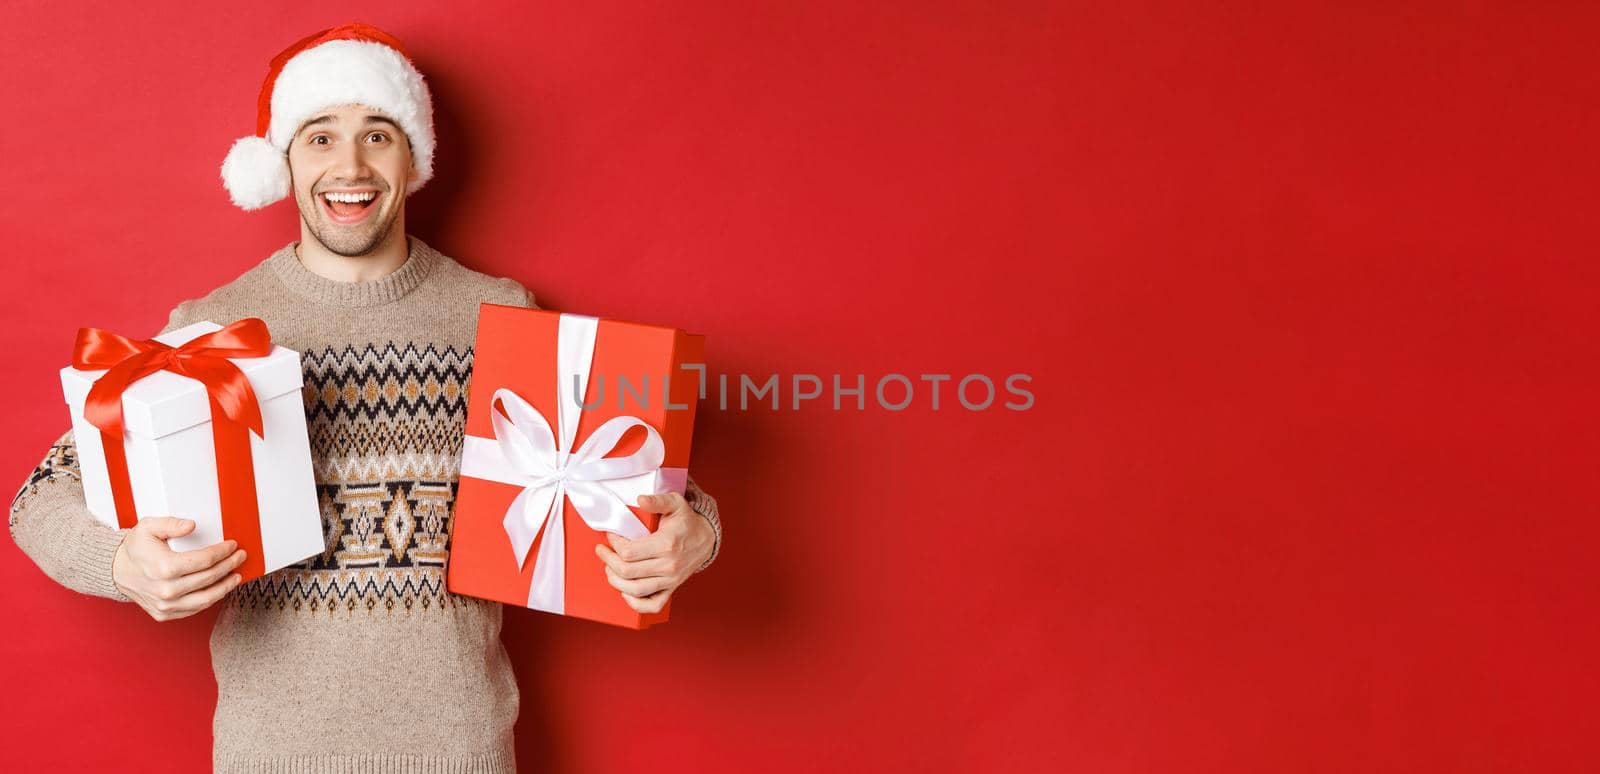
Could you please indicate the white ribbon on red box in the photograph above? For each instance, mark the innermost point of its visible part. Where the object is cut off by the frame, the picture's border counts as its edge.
(524, 453)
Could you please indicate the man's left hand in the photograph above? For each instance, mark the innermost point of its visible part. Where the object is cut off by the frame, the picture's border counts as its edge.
(649, 569)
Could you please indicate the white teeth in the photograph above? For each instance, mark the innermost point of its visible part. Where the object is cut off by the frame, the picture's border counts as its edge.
(351, 198)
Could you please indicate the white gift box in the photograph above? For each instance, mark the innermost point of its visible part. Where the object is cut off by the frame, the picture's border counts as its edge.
(172, 462)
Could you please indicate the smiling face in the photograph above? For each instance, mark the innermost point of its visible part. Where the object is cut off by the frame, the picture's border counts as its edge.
(350, 166)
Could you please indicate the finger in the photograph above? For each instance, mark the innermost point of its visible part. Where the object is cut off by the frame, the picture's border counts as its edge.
(634, 550)
(650, 604)
(647, 568)
(167, 526)
(640, 588)
(188, 562)
(196, 601)
(609, 557)
(648, 547)
(666, 502)
(662, 567)
(198, 580)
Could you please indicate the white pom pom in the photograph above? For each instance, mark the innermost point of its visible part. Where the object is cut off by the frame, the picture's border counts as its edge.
(255, 173)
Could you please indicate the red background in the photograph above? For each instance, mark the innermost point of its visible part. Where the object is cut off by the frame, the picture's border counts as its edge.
(1307, 295)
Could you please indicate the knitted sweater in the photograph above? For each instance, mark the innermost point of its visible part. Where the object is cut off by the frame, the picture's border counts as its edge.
(357, 658)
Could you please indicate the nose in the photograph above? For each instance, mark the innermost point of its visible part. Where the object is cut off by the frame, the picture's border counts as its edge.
(350, 162)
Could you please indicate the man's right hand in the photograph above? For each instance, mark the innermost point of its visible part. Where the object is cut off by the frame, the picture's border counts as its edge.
(172, 584)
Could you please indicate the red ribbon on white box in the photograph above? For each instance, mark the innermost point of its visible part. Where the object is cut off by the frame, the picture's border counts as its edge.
(525, 453)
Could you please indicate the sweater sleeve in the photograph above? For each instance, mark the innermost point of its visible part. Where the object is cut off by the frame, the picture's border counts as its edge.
(51, 524)
(702, 503)
(705, 505)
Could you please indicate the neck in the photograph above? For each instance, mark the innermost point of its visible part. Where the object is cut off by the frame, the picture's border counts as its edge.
(381, 260)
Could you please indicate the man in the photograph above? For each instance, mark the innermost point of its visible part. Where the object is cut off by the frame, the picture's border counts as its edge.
(358, 658)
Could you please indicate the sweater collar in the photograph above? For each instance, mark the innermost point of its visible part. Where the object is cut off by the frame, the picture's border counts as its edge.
(420, 260)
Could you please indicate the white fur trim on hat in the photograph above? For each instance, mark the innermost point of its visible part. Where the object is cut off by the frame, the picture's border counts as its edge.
(255, 173)
(338, 72)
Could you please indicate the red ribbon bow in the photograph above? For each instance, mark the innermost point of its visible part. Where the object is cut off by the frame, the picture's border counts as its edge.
(235, 412)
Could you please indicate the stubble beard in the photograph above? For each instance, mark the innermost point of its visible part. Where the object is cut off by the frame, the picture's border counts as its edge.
(343, 240)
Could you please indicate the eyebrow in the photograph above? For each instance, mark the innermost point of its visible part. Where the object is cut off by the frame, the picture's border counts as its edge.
(328, 119)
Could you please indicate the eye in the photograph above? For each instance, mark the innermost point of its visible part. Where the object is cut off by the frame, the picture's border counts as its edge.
(378, 134)
(315, 139)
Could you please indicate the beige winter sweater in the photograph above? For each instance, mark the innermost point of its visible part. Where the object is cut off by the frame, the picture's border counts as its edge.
(357, 659)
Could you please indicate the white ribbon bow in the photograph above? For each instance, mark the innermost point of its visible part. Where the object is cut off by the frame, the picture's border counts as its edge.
(524, 453)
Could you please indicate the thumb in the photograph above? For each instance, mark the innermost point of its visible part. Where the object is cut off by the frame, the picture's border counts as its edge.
(168, 526)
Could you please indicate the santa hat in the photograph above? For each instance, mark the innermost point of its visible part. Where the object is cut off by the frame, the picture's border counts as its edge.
(351, 64)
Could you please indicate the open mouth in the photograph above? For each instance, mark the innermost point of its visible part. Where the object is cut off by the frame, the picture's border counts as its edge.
(348, 206)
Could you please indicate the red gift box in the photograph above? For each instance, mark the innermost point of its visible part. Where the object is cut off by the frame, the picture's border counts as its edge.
(545, 476)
